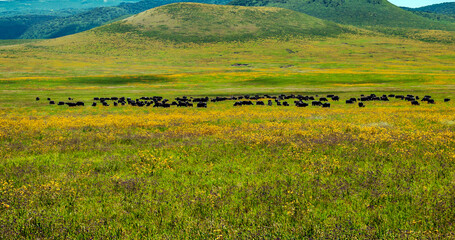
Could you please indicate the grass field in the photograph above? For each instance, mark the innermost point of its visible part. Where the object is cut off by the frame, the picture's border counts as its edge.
(383, 171)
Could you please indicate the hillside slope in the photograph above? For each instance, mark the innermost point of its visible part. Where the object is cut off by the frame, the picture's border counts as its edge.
(194, 22)
(92, 18)
(355, 12)
(14, 27)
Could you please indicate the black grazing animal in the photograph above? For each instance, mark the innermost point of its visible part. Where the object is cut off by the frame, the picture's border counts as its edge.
(48, 99)
(182, 99)
(270, 103)
(70, 99)
(205, 99)
(335, 98)
(426, 98)
(278, 103)
(301, 104)
(326, 105)
(409, 98)
(323, 99)
(37, 98)
(80, 104)
(218, 99)
(286, 104)
(61, 103)
(446, 99)
(261, 103)
(51, 102)
(181, 104)
(316, 103)
(201, 105)
(361, 104)
(430, 101)
(349, 101)
(415, 103)
(241, 103)
(115, 104)
(94, 104)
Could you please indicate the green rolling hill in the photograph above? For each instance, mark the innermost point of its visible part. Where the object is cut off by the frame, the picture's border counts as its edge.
(194, 22)
(354, 12)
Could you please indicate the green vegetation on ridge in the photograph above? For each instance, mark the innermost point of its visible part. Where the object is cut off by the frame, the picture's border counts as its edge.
(14, 27)
(354, 12)
(440, 12)
(443, 8)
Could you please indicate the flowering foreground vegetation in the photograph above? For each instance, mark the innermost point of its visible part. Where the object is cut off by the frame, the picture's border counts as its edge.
(384, 171)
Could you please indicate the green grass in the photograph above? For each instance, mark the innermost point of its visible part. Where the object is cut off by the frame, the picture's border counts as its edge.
(250, 172)
(98, 81)
(380, 172)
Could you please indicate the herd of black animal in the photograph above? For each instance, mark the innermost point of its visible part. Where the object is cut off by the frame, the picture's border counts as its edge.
(279, 100)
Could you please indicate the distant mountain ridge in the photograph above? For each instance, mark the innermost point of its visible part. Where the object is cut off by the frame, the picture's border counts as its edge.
(443, 12)
(43, 27)
(442, 8)
(355, 12)
(24, 7)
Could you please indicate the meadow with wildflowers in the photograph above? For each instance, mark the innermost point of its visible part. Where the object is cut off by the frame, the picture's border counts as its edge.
(384, 171)
(250, 172)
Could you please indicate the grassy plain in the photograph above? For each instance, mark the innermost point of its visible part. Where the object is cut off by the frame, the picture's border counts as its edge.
(384, 171)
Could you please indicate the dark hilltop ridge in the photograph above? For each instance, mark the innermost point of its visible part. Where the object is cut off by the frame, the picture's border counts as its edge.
(195, 22)
(442, 8)
(354, 12)
(443, 12)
